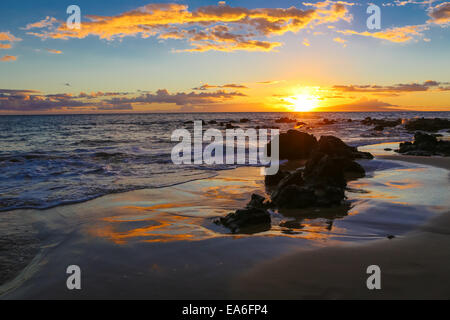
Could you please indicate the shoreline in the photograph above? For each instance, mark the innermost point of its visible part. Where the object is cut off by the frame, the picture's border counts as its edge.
(119, 206)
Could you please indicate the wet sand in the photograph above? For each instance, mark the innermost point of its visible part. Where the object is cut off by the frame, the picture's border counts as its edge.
(163, 244)
(414, 266)
(440, 162)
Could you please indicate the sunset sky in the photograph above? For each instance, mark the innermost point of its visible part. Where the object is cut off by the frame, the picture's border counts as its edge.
(200, 56)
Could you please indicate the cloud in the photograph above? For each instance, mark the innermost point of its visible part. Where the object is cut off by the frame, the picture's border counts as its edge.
(394, 89)
(53, 51)
(340, 40)
(180, 98)
(397, 34)
(269, 82)
(364, 104)
(7, 39)
(45, 23)
(306, 42)
(440, 14)
(8, 58)
(29, 100)
(35, 101)
(215, 27)
(225, 86)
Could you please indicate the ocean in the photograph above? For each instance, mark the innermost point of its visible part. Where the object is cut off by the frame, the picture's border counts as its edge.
(51, 160)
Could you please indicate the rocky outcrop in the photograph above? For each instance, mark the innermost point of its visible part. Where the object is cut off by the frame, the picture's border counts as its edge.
(253, 215)
(380, 124)
(275, 179)
(295, 145)
(425, 145)
(285, 120)
(430, 125)
(326, 122)
(334, 146)
(321, 183)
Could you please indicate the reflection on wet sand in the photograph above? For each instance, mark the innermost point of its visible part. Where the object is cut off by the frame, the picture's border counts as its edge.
(189, 214)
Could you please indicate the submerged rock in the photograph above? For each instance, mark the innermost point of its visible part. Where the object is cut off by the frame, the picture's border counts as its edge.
(430, 125)
(425, 145)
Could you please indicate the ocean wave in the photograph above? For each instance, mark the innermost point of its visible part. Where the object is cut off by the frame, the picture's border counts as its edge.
(48, 161)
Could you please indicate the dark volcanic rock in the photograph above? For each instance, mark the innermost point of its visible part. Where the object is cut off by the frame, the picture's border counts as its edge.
(245, 218)
(230, 126)
(257, 201)
(431, 125)
(323, 169)
(244, 120)
(295, 197)
(334, 146)
(295, 145)
(285, 120)
(327, 122)
(425, 145)
(254, 215)
(273, 180)
(322, 183)
(381, 123)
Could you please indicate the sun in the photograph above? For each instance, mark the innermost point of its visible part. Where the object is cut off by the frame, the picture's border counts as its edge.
(303, 102)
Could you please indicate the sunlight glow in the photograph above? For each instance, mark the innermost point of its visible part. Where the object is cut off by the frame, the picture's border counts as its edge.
(303, 102)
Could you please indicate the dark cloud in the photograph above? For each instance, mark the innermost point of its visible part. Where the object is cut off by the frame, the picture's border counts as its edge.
(440, 14)
(389, 90)
(180, 98)
(225, 86)
(364, 104)
(34, 101)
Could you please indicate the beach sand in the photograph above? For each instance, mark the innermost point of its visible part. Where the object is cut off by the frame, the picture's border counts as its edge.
(163, 244)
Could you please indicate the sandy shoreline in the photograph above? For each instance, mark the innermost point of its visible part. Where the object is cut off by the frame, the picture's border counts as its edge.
(138, 235)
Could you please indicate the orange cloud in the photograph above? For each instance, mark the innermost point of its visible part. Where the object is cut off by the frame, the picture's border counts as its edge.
(340, 40)
(398, 34)
(225, 86)
(218, 27)
(54, 51)
(9, 39)
(45, 23)
(8, 58)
